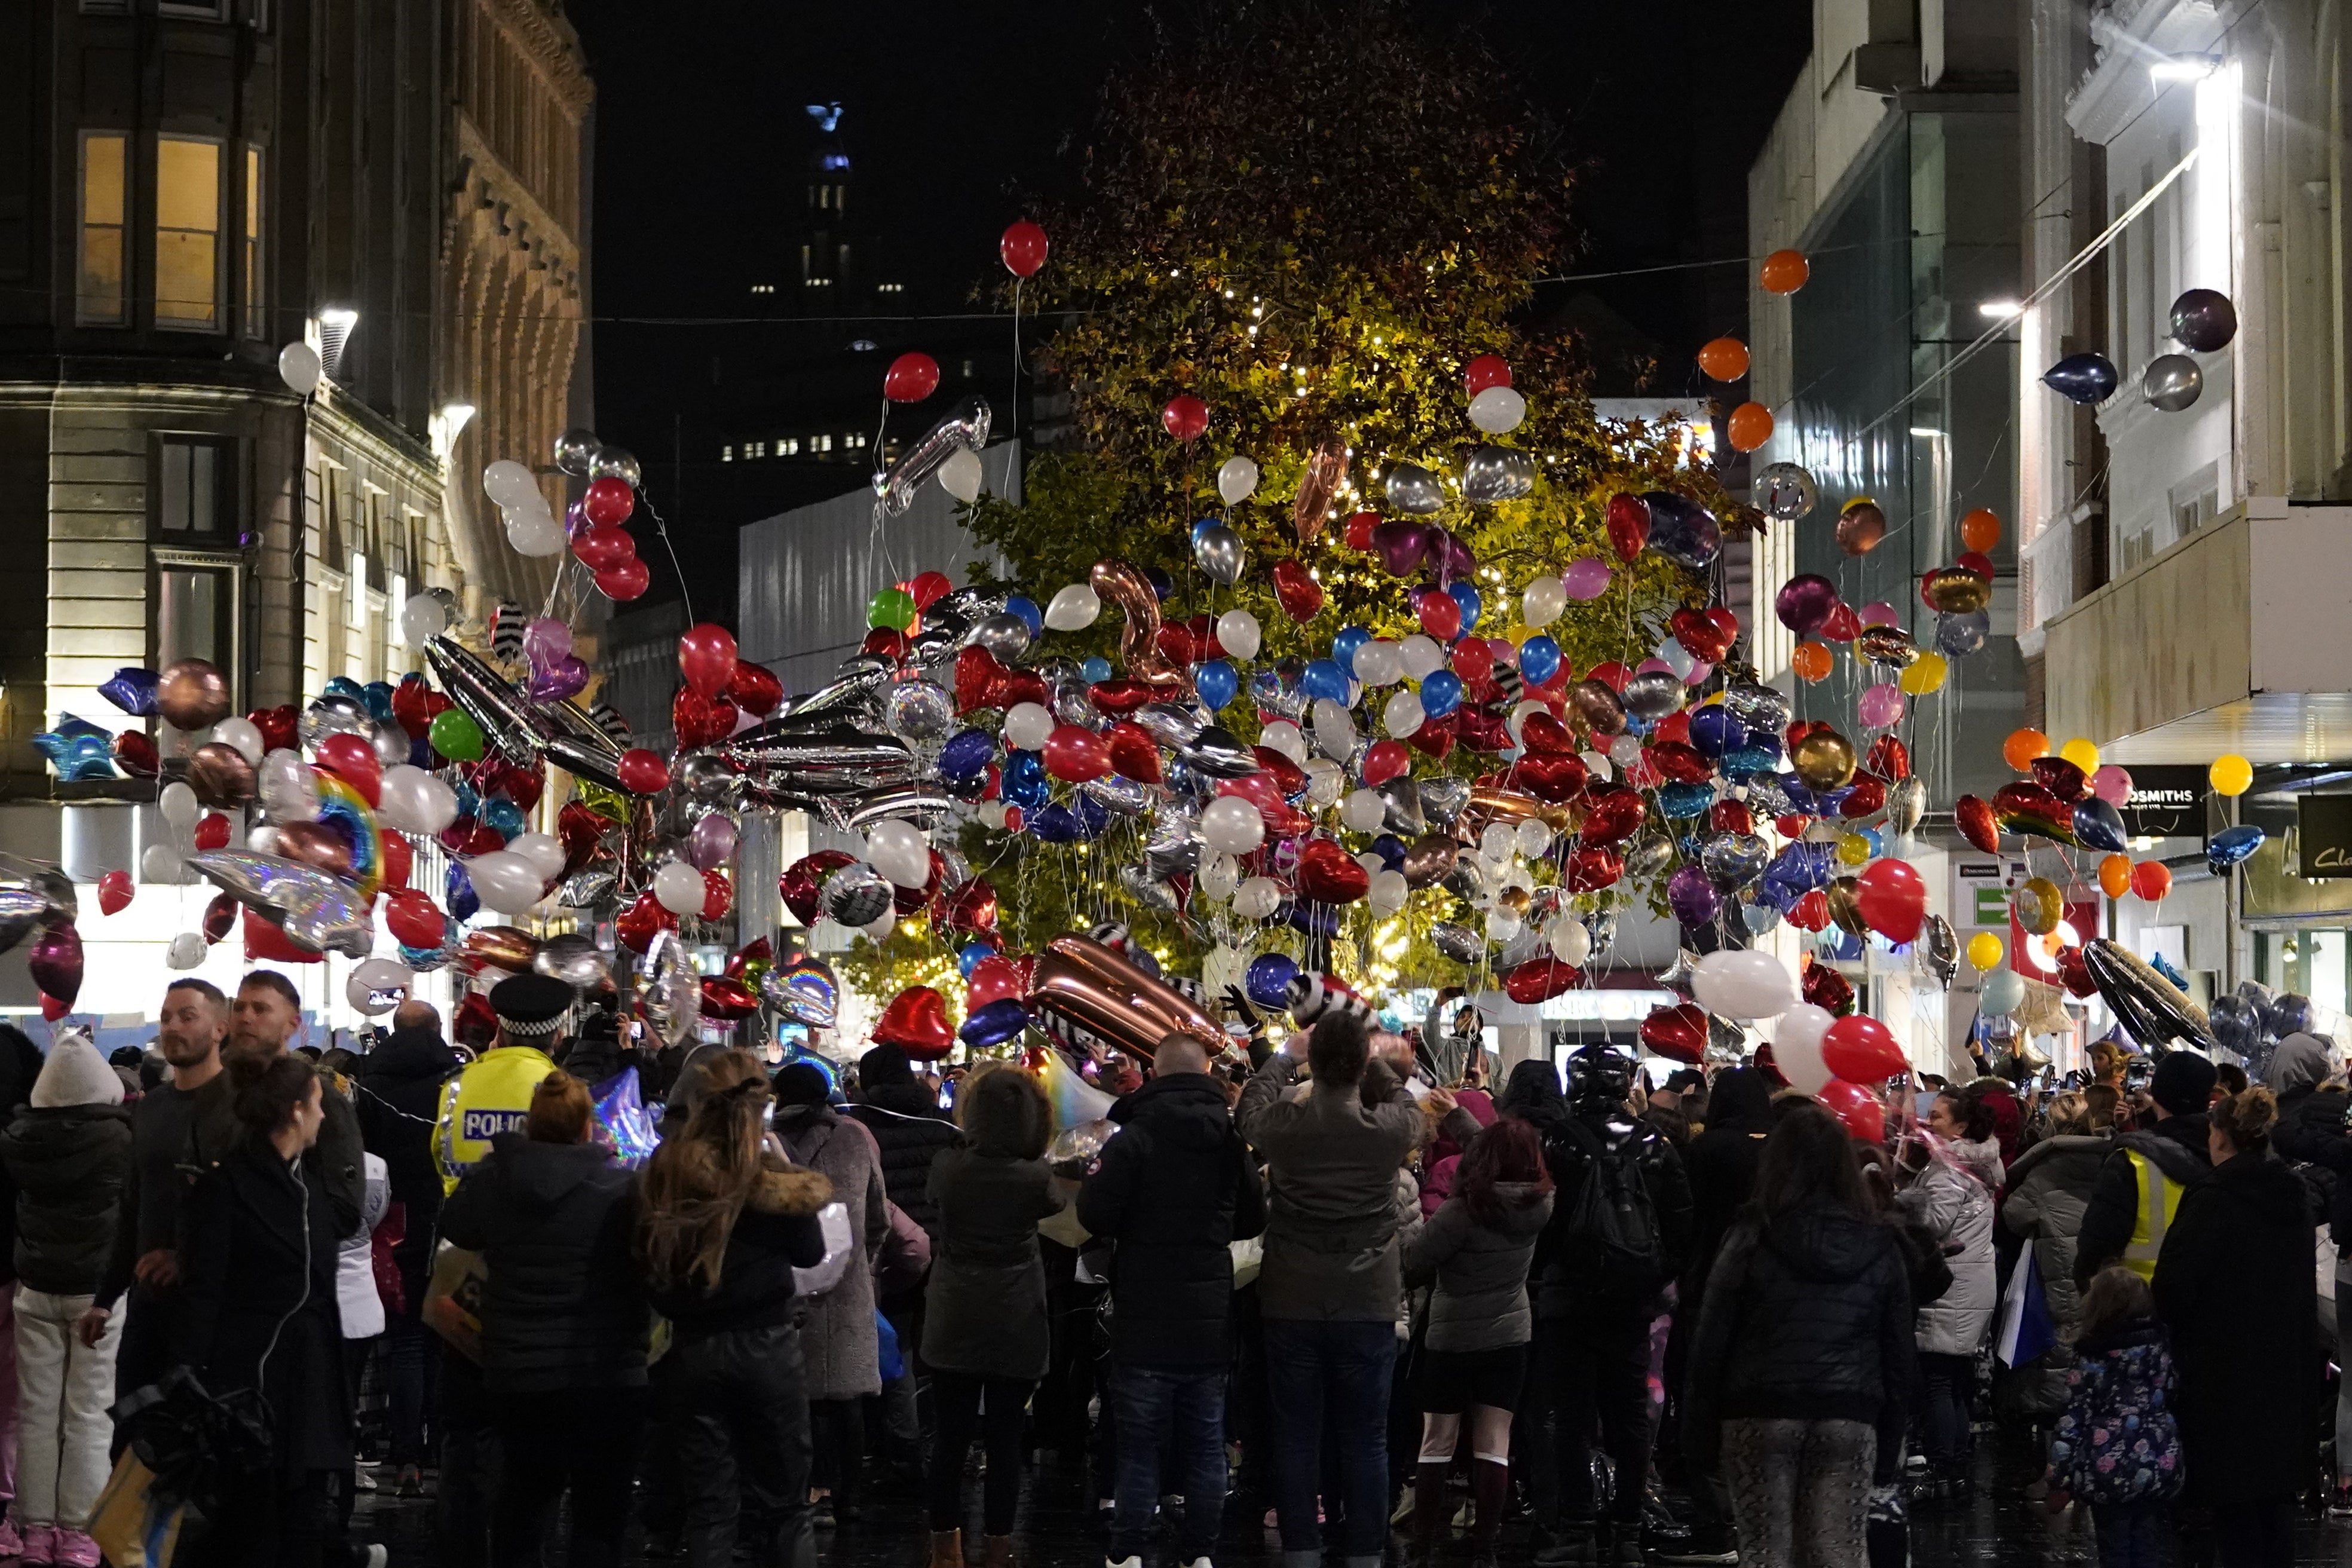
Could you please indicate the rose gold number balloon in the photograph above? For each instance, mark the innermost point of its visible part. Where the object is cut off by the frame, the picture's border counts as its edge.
(1119, 583)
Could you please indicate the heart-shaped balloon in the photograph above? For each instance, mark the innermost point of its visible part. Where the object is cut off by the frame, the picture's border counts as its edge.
(1701, 634)
(1593, 868)
(968, 907)
(1678, 1032)
(1543, 732)
(1401, 546)
(1552, 776)
(1134, 754)
(1329, 875)
(2060, 777)
(1540, 979)
(803, 882)
(1824, 987)
(2029, 808)
(804, 991)
(1300, 594)
(915, 1022)
(1614, 816)
(976, 676)
(727, 1000)
(698, 721)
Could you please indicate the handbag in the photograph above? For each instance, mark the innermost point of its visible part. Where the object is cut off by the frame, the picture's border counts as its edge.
(133, 1527)
(453, 1300)
(840, 1243)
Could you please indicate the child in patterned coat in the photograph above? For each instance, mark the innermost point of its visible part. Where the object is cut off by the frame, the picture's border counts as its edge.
(2117, 1447)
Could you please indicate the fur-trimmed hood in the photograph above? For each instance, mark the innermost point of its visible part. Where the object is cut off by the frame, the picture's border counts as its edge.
(794, 1190)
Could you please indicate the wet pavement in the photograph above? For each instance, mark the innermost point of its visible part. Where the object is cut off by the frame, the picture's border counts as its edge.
(1995, 1526)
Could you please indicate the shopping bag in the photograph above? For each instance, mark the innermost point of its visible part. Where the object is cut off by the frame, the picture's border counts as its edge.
(133, 1528)
(453, 1300)
(2026, 1329)
(840, 1242)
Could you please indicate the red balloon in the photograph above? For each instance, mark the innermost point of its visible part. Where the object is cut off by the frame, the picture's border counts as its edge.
(2151, 880)
(211, 831)
(1023, 247)
(718, 895)
(1611, 816)
(1329, 875)
(603, 547)
(277, 725)
(1134, 754)
(115, 892)
(1593, 868)
(1860, 1049)
(1075, 754)
(727, 999)
(1473, 660)
(642, 771)
(912, 377)
(915, 1022)
(641, 921)
(970, 906)
(1627, 522)
(265, 941)
(801, 883)
(413, 918)
(624, 581)
(1185, 416)
(136, 754)
(1440, 615)
(608, 501)
(1486, 371)
(754, 689)
(928, 588)
(1540, 979)
(1859, 1112)
(1552, 777)
(1892, 898)
(1679, 1032)
(992, 979)
(1383, 761)
(1822, 986)
(52, 1009)
(1300, 594)
(698, 721)
(1542, 732)
(1843, 625)
(1358, 529)
(706, 656)
(399, 860)
(355, 761)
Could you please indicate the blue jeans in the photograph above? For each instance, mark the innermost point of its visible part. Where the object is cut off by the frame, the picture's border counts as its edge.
(1150, 1408)
(1334, 1377)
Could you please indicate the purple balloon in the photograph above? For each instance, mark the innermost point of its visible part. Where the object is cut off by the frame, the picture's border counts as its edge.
(1804, 602)
(1401, 546)
(545, 641)
(711, 842)
(1451, 559)
(1692, 896)
(55, 961)
(575, 520)
(566, 678)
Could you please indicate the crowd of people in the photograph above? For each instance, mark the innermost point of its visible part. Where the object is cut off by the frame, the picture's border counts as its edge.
(1698, 1323)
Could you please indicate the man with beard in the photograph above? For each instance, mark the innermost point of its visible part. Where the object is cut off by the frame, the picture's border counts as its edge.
(145, 1260)
(263, 1023)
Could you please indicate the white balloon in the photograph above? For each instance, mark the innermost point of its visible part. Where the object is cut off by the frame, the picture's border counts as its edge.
(1797, 1047)
(1074, 608)
(1571, 943)
(262, 840)
(1422, 657)
(1676, 658)
(1232, 826)
(961, 475)
(405, 797)
(1387, 893)
(1258, 897)
(1503, 924)
(187, 951)
(1238, 634)
(1373, 863)
(1027, 725)
(1334, 733)
(531, 531)
(1535, 837)
(1283, 736)
(991, 816)
(376, 985)
(1237, 480)
(1743, 986)
(1598, 765)
(507, 482)
(677, 888)
(1497, 409)
(243, 736)
(162, 863)
(878, 929)
(1325, 780)
(1219, 876)
(1546, 597)
(177, 805)
(422, 619)
(1380, 663)
(899, 851)
(288, 790)
(1402, 714)
(544, 852)
(1625, 751)
(509, 884)
(1499, 842)
(299, 368)
(1363, 810)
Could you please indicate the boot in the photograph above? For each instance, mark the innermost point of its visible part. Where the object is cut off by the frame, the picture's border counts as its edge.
(1428, 1511)
(1574, 1544)
(947, 1549)
(998, 1551)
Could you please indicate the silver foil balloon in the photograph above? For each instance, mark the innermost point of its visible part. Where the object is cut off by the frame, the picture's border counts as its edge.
(1785, 491)
(918, 802)
(1602, 925)
(22, 908)
(335, 714)
(1735, 859)
(616, 463)
(1217, 753)
(921, 711)
(2171, 383)
(1442, 799)
(573, 958)
(1760, 918)
(965, 428)
(856, 895)
(575, 742)
(2152, 1008)
(1679, 976)
(318, 910)
(1219, 552)
(1936, 952)
(492, 702)
(1170, 724)
(782, 763)
(1964, 632)
(1906, 803)
(392, 744)
(1005, 634)
(1414, 490)
(597, 882)
(705, 776)
(671, 988)
(1457, 942)
(1281, 698)
(1494, 473)
(1765, 797)
(1138, 884)
(1170, 846)
(1649, 855)
(854, 692)
(1123, 796)
(1656, 693)
(1467, 878)
(575, 451)
(806, 991)
(1402, 814)
(1757, 706)
(56, 891)
(933, 645)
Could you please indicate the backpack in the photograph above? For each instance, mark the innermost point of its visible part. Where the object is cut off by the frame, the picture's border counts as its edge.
(1607, 1244)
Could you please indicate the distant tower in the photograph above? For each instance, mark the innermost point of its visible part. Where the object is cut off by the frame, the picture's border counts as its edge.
(829, 262)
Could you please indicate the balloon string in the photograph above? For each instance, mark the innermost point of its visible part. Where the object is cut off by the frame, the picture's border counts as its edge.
(1013, 426)
(661, 530)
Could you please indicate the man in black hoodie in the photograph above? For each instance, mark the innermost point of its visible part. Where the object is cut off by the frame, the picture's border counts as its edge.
(1172, 1192)
(908, 1126)
(2140, 1186)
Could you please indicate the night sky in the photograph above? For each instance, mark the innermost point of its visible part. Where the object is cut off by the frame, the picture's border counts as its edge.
(957, 116)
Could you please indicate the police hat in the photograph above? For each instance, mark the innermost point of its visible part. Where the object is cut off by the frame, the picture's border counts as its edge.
(531, 1006)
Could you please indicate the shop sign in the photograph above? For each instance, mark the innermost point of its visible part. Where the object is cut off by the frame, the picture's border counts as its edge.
(2167, 803)
(2323, 827)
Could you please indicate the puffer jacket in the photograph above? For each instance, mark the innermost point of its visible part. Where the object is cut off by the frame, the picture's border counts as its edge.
(1956, 1206)
(1331, 1247)
(69, 1164)
(777, 1232)
(1808, 1316)
(2048, 1192)
(2120, 1440)
(909, 1130)
(1480, 1268)
(2315, 1134)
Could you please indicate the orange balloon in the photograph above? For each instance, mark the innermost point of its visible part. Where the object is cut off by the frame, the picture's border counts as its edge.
(2115, 876)
(1725, 359)
(1751, 427)
(2151, 880)
(1980, 530)
(1811, 660)
(1784, 272)
(2023, 746)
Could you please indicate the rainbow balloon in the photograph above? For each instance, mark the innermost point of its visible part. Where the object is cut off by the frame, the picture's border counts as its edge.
(342, 807)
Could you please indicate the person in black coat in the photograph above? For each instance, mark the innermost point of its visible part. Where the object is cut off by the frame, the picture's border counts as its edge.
(2318, 1135)
(908, 1126)
(724, 1221)
(2234, 1284)
(564, 1324)
(2175, 1149)
(1172, 1192)
(258, 1311)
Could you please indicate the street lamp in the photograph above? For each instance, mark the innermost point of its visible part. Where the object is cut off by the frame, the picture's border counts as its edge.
(2185, 68)
(335, 324)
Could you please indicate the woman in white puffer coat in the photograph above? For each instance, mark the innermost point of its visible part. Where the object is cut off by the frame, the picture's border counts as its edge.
(1958, 1208)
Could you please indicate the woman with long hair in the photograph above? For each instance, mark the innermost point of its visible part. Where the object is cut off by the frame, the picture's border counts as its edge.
(1476, 1247)
(1802, 1361)
(723, 1220)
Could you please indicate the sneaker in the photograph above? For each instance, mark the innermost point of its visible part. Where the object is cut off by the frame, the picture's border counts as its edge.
(1122, 1562)
(364, 1480)
(75, 1549)
(374, 1555)
(40, 1546)
(1705, 1546)
(11, 1543)
(1196, 1563)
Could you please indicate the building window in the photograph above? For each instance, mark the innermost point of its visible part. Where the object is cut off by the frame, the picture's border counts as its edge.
(99, 296)
(966, 370)
(192, 491)
(725, 454)
(191, 616)
(820, 443)
(187, 232)
(251, 258)
(789, 447)
(194, 10)
(395, 594)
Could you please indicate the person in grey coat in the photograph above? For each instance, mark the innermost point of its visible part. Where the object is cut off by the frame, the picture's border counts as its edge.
(1476, 1248)
(1958, 1209)
(839, 1348)
(2049, 1190)
(1330, 1286)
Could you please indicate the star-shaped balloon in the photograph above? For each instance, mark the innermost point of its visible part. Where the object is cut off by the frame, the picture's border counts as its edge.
(78, 749)
(132, 690)
(318, 910)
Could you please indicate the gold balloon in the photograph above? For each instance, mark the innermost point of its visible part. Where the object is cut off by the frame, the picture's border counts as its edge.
(1514, 899)
(501, 947)
(1492, 802)
(1958, 590)
(192, 695)
(1824, 759)
(2039, 906)
(220, 776)
(1861, 526)
(1845, 906)
(1428, 860)
(1118, 582)
(1890, 646)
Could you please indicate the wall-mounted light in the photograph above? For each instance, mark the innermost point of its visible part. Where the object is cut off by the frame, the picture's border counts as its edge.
(2000, 310)
(449, 424)
(335, 327)
(2185, 68)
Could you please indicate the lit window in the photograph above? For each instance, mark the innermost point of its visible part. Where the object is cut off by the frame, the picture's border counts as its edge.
(395, 594)
(966, 370)
(790, 446)
(187, 232)
(725, 454)
(99, 294)
(254, 324)
(359, 591)
(825, 196)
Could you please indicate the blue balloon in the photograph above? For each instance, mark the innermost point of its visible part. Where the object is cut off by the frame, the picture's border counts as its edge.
(1390, 849)
(457, 893)
(1471, 604)
(132, 690)
(379, 700)
(1266, 982)
(1312, 919)
(1143, 958)
(967, 754)
(344, 685)
(2085, 378)
(1201, 526)
(1344, 646)
(1714, 731)
(1877, 844)
(1031, 615)
(1681, 800)
(420, 755)
(1538, 660)
(2233, 845)
(1217, 683)
(1000, 1021)
(1023, 782)
(1091, 815)
(1096, 670)
(1161, 583)
(968, 958)
(1053, 824)
(503, 816)
(1441, 693)
(2098, 825)
(1747, 761)
(469, 801)
(1324, 678)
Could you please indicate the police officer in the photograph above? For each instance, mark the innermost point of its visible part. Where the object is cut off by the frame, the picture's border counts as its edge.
(492, 1095)
(2139, 1187)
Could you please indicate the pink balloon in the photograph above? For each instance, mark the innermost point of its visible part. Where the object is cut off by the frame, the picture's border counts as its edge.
(545, 641)
(1879, 612)
(1882, 705)
(1648, 665)
(1506, 651)
(1587, 578)
(2112, 784)
(711, 842)
(1700, 669)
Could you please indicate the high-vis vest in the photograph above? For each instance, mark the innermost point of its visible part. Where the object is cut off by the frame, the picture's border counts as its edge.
(2160, 1200)
(490, 1097)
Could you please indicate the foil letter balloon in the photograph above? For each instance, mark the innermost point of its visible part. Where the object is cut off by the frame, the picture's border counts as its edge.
(1085, 983)
(1118, 582)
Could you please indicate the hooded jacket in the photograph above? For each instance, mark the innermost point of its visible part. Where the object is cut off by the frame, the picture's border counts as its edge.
(2234, 1284)
(398, 1097)
(1807, 1316)
(2049, 1193)
(565, 1307)
(2315, 1133)
(1480, 1268)
(1721, 1164)
(839, 1353)
(2177, 1145)
(1172, 1192)
(69, 1164)
(1958, 1208)
(777, 1232)
(909, 1130)
(2301, 1063)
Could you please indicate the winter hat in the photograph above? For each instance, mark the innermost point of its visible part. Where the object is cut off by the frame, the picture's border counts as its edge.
(883, 1066)
(75, 1074)
(2183, 1083)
